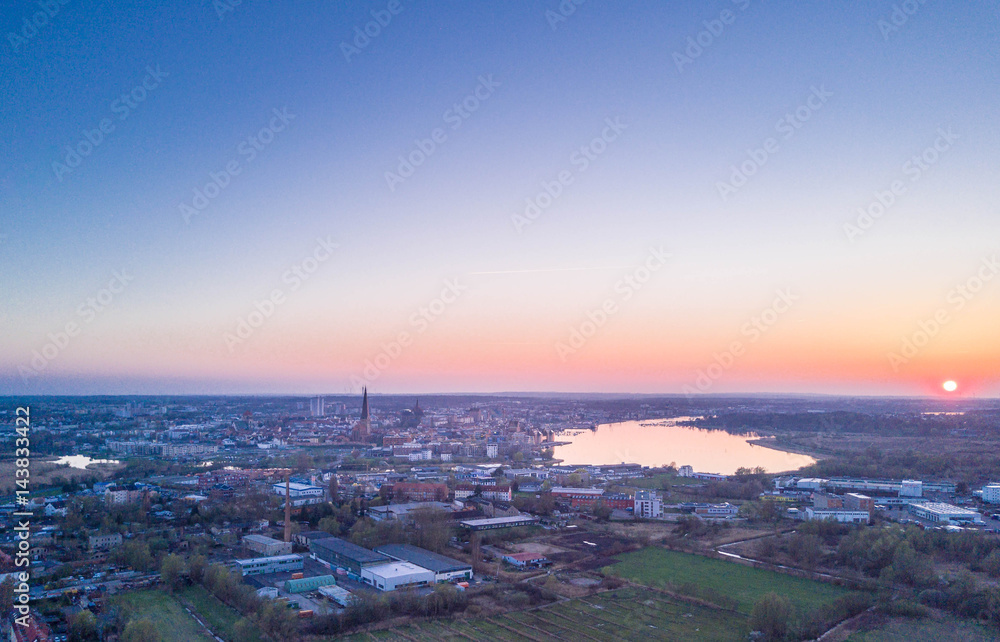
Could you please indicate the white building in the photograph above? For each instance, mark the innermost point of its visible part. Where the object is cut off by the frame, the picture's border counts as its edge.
(991, 494)
(395, 575)
(300, 494)
(944, 513)
(843, 516)
(911, 488)
(648, 504)
(685, 471)
(276, 564)
(317, 407)
(492, 450)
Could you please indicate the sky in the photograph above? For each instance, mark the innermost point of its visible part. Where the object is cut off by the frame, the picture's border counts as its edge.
(679, 198)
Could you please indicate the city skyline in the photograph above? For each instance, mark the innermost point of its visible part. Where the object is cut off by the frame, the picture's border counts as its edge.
(722, 199)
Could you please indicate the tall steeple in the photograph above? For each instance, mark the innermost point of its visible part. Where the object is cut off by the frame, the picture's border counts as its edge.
(364, 404)
(363, 429)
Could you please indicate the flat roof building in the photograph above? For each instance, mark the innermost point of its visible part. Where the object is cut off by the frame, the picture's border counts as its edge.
(444, 568)
(944, 513)
(276, 564)
(267, 545)
(390, 576)
(343, 554)
(490, 523)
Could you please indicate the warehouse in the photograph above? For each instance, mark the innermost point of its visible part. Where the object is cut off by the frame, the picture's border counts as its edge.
(276, 564)
(396, 575)
(267, 545)
(445, 568)
(944, 513)
(339, 553)
(490, 523)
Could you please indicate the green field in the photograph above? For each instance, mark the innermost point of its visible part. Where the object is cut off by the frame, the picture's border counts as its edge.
(744, 584)
(167, 615)
(927, 630)
(218, 616)
(625, 614)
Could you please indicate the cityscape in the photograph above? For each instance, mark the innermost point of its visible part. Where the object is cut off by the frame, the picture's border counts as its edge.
(516, 321)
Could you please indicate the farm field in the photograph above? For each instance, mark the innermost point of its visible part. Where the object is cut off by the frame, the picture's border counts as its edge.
(743, 584)
(623, 614)
(167, 615)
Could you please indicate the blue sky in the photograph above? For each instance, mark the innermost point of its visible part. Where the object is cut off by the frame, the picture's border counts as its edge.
(554, 84)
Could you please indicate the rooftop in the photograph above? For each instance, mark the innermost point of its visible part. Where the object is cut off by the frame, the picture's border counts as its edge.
(348, 550)
(395, 569)
(421, 557)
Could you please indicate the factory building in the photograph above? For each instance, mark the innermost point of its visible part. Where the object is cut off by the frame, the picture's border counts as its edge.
(267, 545)
(942, 513)
(843, 516)
(444, 568)
(276, 564)
(389, 576)
(339, 553)
(300, 494)
(491, 523)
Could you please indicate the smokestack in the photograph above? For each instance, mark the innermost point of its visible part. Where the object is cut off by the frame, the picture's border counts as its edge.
(288, 509)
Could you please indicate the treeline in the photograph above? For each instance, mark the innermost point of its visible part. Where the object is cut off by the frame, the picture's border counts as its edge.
(841, 421)
(273, 617)
(971, 466)
(444, 600)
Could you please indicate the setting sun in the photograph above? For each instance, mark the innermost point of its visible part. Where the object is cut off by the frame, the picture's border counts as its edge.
(950, 386)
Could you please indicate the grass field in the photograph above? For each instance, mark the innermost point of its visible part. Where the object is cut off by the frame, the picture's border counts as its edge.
(744, 584)
(218, 616)
(625, 614)
(167, 615)
(927, 630)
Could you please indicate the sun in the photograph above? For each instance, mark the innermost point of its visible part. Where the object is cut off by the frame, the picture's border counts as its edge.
(950, 386)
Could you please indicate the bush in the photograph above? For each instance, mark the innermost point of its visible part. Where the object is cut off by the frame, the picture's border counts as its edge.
(771, 615)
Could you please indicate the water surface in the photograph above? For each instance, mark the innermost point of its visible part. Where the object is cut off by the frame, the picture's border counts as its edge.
(658, 442)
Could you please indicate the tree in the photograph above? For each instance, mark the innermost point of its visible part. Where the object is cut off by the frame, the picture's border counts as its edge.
(82, 627)
(770, 616)
(601, 511)
(334, 487)
(196, 568)
(172, 572)
(141, 630)
(329, 525)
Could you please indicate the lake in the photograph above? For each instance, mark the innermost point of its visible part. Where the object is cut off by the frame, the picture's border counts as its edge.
(82, 461)
(657, 442)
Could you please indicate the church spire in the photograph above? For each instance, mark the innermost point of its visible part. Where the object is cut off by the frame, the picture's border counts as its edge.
(364, 404)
